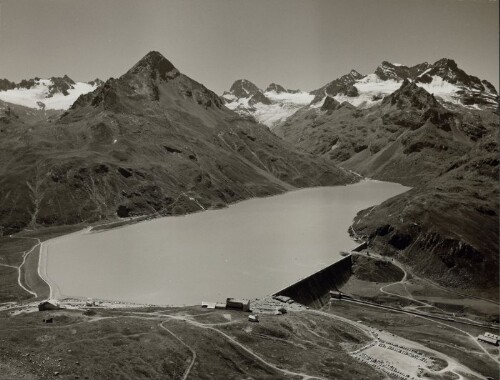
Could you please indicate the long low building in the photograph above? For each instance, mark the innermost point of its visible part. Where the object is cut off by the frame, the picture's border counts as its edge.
(239, 304)
(488, 339)
(492, 336)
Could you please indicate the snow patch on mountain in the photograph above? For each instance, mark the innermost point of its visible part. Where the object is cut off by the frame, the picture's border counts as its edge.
(450, 85)
(371, 91)
(299, 98)
(29, 97)
(281, 104)
(442, 89)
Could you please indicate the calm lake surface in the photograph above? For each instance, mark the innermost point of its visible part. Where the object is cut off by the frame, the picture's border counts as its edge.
(248, 250)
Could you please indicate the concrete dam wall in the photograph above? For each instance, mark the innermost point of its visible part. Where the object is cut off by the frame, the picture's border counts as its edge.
(314, 290)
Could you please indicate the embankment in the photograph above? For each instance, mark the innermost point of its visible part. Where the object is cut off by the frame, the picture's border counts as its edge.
(314, 290)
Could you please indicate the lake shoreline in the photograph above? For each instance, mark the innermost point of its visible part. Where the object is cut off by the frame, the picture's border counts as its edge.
(314, 264)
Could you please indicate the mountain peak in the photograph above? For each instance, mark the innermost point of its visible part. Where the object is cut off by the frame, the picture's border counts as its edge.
(6, 84)
(96, 82)
(409, 85)
(390, 64)
(472, 89)
(411, 95)
(343, 85)
(390, 71)
(446, 62)
(356, 75)
(243, 88)
(276, 88)
(154, 62)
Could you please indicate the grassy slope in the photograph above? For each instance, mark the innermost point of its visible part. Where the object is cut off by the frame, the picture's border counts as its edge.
(128, 345)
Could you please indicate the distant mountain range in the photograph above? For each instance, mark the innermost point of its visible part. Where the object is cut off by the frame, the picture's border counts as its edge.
(56, 93)
(444, 79)
(451, 86)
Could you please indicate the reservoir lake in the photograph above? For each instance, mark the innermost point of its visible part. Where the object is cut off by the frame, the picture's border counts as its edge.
(248, 250)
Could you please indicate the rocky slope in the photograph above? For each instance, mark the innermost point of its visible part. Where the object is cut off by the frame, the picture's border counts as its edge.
(152, 142)
(447, 226)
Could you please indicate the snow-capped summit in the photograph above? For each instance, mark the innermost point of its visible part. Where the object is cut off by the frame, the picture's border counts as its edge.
(444, 80)
(465, 89)
(269, 107)
(57, 93)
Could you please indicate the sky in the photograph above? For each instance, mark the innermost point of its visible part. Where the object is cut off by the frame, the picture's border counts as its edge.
(296, 43)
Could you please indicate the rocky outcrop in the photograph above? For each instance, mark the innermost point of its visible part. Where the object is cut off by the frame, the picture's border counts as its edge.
(259, 97)
(342, 85)
(276, 88)
(330, 104)
(60, 85)
(96, 82)
(6, 84)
